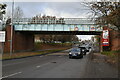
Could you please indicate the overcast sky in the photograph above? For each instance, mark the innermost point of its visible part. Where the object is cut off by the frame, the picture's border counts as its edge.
(58, 9)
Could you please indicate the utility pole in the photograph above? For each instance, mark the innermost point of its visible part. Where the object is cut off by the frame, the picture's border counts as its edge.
(11, 41)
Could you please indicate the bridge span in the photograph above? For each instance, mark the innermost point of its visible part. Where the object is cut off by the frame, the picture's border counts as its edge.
(24, 30)
(74, 26)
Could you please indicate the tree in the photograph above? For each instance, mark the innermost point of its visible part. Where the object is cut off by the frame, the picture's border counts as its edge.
(18, 12)
(114, 18)
(2, 10)
(47, 20)
(106, 12)
(60, 38)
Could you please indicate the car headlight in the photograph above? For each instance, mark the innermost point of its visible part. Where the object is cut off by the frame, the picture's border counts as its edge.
(83, 50)
(70, 53)
(78, 52)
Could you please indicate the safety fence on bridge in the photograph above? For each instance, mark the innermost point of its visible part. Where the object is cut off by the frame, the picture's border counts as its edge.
(55, 24)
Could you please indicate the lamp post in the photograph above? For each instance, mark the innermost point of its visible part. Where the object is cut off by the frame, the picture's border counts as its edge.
(11, 44)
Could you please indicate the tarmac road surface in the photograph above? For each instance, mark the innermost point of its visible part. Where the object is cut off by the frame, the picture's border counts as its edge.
(57, 65)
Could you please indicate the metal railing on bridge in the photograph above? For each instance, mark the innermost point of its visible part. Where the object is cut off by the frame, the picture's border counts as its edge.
(53, 21)
(55, 24)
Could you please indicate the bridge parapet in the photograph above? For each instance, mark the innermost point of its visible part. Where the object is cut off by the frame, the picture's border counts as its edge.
(56, 24)
(53, 21)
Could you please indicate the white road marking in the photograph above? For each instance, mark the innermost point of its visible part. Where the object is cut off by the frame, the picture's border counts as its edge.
(12, 74)
(42, 65)
(38, 66)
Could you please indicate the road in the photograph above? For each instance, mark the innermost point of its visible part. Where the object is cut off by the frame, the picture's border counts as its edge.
(57, 65)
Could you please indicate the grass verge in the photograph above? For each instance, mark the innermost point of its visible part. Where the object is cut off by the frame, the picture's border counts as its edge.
(113, 56)
(111, 53)
(28, 54)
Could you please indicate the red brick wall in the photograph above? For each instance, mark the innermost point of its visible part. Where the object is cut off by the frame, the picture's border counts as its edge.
(114, 40)
(7, 39)
(21, 41)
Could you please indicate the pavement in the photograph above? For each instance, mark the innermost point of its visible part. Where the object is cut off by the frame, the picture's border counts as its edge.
(100, 68)
(57, 65)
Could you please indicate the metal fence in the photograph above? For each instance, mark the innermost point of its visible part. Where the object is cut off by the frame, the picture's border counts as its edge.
(55, 24)
(53, 21)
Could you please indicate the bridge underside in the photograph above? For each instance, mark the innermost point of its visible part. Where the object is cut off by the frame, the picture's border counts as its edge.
(23, 40)
(63, 32)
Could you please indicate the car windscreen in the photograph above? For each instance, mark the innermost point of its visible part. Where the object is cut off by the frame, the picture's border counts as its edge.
(75, 50)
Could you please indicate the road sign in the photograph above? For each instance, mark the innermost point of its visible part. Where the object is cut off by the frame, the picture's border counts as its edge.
(105, 37)
(2, 36)
(92, 28)
(76, 28)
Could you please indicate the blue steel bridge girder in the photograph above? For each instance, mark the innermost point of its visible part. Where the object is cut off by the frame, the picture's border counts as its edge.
(57, 24)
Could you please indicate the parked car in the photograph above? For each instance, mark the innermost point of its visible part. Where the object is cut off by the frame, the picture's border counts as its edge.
(75, 52)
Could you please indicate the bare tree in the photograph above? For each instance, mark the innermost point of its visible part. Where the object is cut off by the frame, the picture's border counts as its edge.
(18, 12)
(106, 12)
(2, 10)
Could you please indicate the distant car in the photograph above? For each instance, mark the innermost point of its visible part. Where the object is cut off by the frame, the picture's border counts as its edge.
(75, 52)
(88, 48)
(83, 50)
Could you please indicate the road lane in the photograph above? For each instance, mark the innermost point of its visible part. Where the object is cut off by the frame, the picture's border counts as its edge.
(59, 68)
(24, 64)
(57, 65)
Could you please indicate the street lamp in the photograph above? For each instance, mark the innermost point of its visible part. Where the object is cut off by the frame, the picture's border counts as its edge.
(12, 29)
